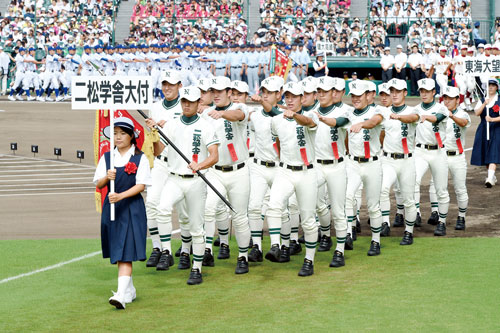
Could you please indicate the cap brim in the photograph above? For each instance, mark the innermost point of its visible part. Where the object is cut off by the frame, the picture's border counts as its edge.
(190, 98)
(107, 133)
(357, 92)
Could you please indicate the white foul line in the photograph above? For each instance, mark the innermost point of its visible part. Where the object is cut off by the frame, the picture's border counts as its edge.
(48, 268)
(30, 194)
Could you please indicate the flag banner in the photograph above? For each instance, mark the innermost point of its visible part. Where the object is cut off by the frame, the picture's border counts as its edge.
(482, 66)
(280, 64)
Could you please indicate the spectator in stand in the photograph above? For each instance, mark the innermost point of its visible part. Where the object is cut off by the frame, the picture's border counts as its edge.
(477, 37)
(387, 63)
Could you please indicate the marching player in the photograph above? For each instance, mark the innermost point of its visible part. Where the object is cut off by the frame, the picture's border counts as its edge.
(430, 135)
(196, 138)
(207, 97)
(71, 65)
(86, 68)
(294, 131)
(443, 64)
(31, 77)
(330, 153)
(161, 112)
(365, 167)
(456, 127)
(52, 74)
(400, 122)
(230, 174)
(465, 83)
(20, 74)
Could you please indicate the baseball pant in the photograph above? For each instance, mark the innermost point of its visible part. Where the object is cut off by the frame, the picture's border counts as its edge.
(334, 176)
(437, 162)
(403, 172)
(235, 73)
(159, 175)
(220, 71)
(458, 168)
(18, 80)
(442, 81)
(370, 174)
(234, 185)
(304, 185)
(253, 80)
(193, 192)
(465, 84)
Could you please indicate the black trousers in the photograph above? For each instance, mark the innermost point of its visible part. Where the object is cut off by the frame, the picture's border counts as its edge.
(401, 75)
(386, 75)
(415, 75)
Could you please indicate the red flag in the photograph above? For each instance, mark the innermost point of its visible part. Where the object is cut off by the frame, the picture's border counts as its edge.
(102, 144)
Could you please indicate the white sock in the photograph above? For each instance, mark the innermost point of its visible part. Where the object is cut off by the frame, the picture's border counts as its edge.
(123, 282)
(198, 252)
(209, 234)
(491, 174)
(341, 238)
(256, 226)
(130, 284)
(274, 224)
(223, 228)
(295, 221)
(311, 241)
(285, 232)
(462, 208)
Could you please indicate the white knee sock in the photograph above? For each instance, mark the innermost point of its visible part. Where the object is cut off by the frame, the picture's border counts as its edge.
(286, 227)
(341, 238)
(256, 226)
(311, 241)
(123, 282)
(209, 234)
(198, 252)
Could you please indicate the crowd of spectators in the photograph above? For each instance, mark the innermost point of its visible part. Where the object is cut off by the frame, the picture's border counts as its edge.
(76, 23)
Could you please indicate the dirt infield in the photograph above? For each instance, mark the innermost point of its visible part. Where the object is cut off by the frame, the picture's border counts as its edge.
(66, 214)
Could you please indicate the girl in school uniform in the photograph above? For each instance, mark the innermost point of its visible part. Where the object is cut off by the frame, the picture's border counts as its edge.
(123, 240)
(487, 152)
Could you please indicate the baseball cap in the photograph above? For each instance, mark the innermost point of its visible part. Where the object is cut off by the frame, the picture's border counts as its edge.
(495, 82)
(204, 84)
(387, 48)
(221, 83)
(294, 88)
(272, 84)
(451, 91)
(191, 93)
(442, 48)
(464, 47)
(357, 87)
(241, 86)
(123, 122)
(371, 86)
(487, 46)
(399, 46)
(397, 84)
(427, 84)
(309, 84)
(383, 88)
(427, 46)
(171, 77)
(480, 46)
(326, 83)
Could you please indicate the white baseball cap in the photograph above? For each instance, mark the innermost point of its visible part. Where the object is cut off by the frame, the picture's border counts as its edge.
(309, 84)
(271, 84)
(191, 93)
(464, 47)
(470, 50)
(293, 87)
(339, 84)
(427, 46)
(427, 84)
(383, 88)
(451, 91)
(487, 46)
(357, 87)
(204, 84)
(221, 83)
(397, 84)
(326, 83)
(442, 48)
(481, 45)
(399, 46)
(387, 48)
(371, 86)
(241, 86)
(171, 77)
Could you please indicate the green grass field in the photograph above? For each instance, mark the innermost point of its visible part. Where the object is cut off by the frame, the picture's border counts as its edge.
(435, 285)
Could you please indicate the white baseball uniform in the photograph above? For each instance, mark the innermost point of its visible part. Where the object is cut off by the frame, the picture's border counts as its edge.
(192, 136)
(465, 83)
(429, 154)
(441, 76)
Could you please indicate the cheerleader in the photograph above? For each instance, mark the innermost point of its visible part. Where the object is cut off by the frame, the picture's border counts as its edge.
(123, 240)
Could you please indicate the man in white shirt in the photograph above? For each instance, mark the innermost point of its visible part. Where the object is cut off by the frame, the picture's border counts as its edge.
(387, 63)
(4, 69)
(400, 63)
(415, 60)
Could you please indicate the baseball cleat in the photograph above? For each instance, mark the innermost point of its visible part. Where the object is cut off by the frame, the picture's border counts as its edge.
(194, 277)
(184, 262)
(349, 243)
(255, 255)
(30, 98)
(433, 219)
(460, 223)
(354, 234)
(154, 258)
(285, 254)
(274, 253)
(11, 98)
(399, 221)
(19, 97)
(208, 258)
(178, 252)
(325, 244)
(386, 230)
(241, 266)
(117, 301)
(307, 268)
(302, 240)
(223, 251)
(407, 239)
(166, 260)
(358, 225)
(490, 182)
(374, 249)
(217, 241)
(337, 260)
(295, 247)
(440, 229)
(418, 221)
(49, 99)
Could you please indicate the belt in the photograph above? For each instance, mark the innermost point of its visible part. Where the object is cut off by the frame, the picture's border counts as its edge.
(398, 156)
(453, 153)
(364, 159)
(428, 147)
(253, 66)
(296, 167)
(235, 66)
(228, 168)
(251, 154)
(265, 163)
(162, 158)
(220, 67)
(182, 176)
(326, 162)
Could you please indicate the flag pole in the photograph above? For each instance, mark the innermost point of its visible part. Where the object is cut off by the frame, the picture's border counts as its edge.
(487, 111)
(111, 158)
(326, 64)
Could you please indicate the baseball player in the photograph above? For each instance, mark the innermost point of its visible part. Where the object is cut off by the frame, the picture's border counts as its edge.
(430, 135)
(465, 83)
(20, 74)
(294, 131)
(52, 72)
(86, 67)
(31, 77)
(456, 127)
(443, 64)
(196, 138)
(364, 165)
(161, 112)
(400, 123)
(230, 175)
(330, 155)
(71, 65)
